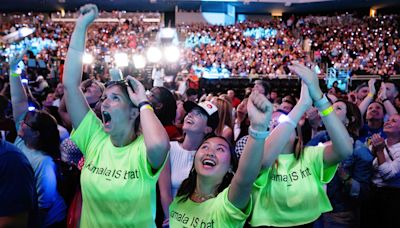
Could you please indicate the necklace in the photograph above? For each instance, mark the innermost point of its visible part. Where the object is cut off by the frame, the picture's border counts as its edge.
(202, 197)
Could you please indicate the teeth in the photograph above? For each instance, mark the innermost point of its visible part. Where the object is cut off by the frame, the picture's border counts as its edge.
(209, 162)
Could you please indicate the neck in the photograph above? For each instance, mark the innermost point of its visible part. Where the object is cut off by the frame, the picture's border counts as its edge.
(192, 141)
(393, 139)
(374, 123)
(123, 140)
(205, 189)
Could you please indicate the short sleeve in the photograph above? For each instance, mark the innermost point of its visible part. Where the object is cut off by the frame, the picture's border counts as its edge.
(314, 155)
(89, 129)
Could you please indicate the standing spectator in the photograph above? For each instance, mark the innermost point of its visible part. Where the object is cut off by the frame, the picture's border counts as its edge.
(18, 207)
(131, 159)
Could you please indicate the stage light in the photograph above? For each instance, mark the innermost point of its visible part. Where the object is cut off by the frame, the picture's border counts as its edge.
(87, 58)
(121, 59)
(154, 54)
(172, 54)
(139, 61)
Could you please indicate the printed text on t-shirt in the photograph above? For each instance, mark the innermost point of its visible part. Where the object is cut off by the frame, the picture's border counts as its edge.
(191, 222)
(289, 178)
(113, 173)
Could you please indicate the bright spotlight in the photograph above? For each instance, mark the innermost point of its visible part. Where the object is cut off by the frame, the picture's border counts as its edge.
(153, 54)
(173, 54)
(139, 61)
(87, 58)
(121, 59)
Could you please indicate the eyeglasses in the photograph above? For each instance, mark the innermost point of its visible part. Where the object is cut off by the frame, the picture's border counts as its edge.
(29, 125)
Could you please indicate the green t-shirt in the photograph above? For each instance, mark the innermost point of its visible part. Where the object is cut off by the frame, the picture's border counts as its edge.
(118, 184)
(292, 192)
(215, 212)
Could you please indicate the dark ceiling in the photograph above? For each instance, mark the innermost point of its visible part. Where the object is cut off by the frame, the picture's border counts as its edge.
(207, 6)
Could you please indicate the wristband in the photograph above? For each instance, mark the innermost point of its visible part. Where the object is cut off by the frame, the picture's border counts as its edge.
(327, 111)
(370, 95)
(321, 102)
(287, 119)
(145, 105)
(387, 99)
(14, 74)
(258, 134)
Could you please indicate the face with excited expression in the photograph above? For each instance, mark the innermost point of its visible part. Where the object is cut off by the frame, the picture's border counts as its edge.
(213, 158)
(117, 111)
(196, 121)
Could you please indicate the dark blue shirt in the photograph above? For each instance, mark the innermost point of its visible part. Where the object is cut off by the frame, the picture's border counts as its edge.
(17, 183)
(358, 166)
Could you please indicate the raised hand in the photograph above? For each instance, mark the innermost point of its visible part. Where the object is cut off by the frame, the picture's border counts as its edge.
(371, 86)
(305, 99)
(378, 143)
(88, 13)
(309, 78)
(15, 59)
(136, 90)
(259, 109)
(382, 92)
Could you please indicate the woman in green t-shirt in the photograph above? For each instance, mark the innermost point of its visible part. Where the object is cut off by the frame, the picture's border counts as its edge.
(210, 197)
(289, 191)
(122, 163)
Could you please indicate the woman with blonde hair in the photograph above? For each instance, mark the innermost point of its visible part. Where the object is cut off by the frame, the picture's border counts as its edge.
(225, 125)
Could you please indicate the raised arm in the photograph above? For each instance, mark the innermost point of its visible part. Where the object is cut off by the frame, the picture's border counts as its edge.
(260, 111)
(280, 136)
(19, 99)
(363, 106)
(390, 109)
(155, 136)
(342, 143)
(74, 98)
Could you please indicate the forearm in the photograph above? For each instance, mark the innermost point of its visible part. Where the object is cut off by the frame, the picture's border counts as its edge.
(364, 104)
(390, 109)
(19, 99)
(380, 157)
(164, 183)
(247, 172)
(341, 140)
(280, 136)
(73, 64)
(155, 137)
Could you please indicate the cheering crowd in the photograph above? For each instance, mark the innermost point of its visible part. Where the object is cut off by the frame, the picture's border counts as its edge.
(95, 154)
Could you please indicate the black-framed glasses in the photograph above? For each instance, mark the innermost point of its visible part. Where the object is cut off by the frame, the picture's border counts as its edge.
(29, 125)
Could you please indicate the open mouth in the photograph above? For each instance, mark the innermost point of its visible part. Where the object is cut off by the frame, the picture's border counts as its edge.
(209, 163)
(106, 117)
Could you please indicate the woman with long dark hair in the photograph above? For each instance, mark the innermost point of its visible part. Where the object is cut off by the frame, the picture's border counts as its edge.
(212, 196)
(39, 139)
